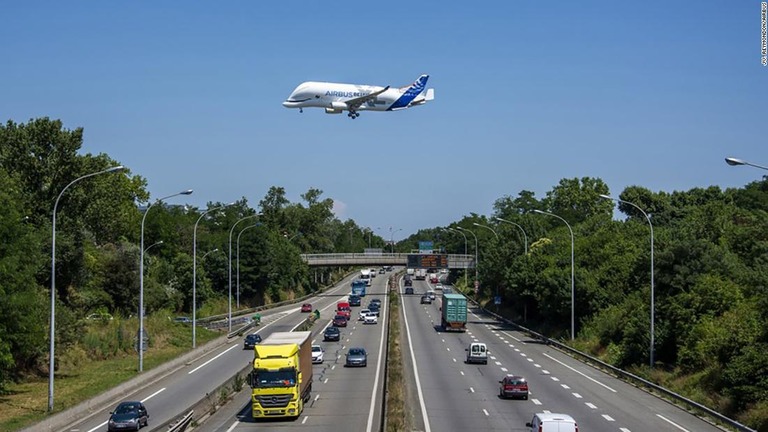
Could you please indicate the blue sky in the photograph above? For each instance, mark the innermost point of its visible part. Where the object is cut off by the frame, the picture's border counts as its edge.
(188, 95)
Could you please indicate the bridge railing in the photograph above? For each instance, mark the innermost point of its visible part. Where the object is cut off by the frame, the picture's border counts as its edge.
(458, 261)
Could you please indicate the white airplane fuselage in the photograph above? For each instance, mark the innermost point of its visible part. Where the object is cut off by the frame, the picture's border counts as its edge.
(336, 98)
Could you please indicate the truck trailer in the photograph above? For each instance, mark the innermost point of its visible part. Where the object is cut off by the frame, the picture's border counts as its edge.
(453, 312)
(281, 379)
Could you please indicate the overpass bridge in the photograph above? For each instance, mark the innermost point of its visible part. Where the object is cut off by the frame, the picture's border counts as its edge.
(455, 261)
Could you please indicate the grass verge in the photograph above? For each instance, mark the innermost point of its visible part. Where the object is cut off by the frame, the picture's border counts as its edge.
(81, 377)
(397, 418)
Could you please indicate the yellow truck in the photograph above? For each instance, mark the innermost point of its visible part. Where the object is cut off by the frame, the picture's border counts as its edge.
(281, 379)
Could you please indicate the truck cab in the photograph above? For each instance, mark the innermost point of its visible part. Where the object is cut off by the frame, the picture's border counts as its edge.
(477, 352)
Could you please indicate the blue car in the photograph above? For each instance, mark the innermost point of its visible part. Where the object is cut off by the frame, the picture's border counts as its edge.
(129, 415)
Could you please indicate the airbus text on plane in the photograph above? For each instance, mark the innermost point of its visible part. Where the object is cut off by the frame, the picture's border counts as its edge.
(339, 97)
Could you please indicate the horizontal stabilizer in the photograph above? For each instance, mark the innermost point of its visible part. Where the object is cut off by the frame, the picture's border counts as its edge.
(430, 94)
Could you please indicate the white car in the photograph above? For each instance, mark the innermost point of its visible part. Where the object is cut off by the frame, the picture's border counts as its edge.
(317, 354)
(439, 286)
(362, 314)
(370, 319)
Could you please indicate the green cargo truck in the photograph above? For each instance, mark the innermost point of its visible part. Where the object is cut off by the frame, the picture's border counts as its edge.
(453, 312)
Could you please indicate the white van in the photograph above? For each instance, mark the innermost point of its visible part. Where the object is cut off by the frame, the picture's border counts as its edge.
(477, 352)
(548, 422)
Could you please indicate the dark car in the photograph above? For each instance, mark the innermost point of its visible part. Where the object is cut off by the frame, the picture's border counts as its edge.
(425, 299)
(251, 340)
(331, 334)
(376, 302)
(408, 282)
(306, 307)
(513, 386)
(374, 308)
(339, 321)
(129, 415)
(183, 320)
(355, 300)
(409, 290)
(357, 357)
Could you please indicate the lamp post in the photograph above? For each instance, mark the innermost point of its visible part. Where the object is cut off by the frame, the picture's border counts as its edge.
(238, 260)
(141, 278)
(153, 245)
(392, 238)
(53, 279)
(652, 350)
(487, 227)
(194, 273)
(229, 302)
(208, 253)
(573, 286)
(525, 237)
(477, 260)
(465, 250)
(733, 162)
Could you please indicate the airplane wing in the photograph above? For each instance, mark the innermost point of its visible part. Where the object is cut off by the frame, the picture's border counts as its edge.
(355, 103)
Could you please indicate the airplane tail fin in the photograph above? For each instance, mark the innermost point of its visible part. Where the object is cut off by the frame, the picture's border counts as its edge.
(418, 86)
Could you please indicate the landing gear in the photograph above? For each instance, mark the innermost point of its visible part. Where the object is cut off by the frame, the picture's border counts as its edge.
(353, 115)
(301, 110)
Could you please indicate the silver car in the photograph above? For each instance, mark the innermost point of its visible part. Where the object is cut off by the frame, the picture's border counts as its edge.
(357, 357)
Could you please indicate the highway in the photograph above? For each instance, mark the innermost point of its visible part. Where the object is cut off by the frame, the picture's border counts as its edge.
(459, 396)
(335, 389)
(343, 399)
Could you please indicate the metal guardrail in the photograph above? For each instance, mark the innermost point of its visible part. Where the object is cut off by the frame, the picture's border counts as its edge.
(181, 423)
(455, 261)
(624, 374)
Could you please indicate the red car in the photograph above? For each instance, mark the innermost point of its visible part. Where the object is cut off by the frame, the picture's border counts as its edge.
(513, 386)
(340, 321)
(306, 307)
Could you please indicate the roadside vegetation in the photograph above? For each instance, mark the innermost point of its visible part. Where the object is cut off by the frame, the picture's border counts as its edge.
(397, 416)
(98, 226)
(710, 282)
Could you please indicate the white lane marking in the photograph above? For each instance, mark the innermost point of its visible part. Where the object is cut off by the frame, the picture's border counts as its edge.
(624, 430)
(493, 357)
(416, 374)
(486, 412)
(536, 401)
(545, 372)
(555, 379)
(461, 372)
(537, 365)
(305, 419)
(579, 372)
(220, 354)
(326, 381)
(530, 360)
(672, 423)
(454, 360)
(234, 425)
(317, 396)
(607, 417)
(523, 354)
(504, 370)
(471, 389)
(333, 367)
(498, 363)
(576, 395)
(448, 349)
(591, 405)
(565, 386)
(101, 426)
(517, 349)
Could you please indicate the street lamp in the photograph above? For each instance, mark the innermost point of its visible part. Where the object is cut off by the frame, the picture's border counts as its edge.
(238, 260)
(229, 303)
(153, 245)
(733, 162)
(487, 227)
(392, 238)
(208, 253)
(53, 278)
(194, 273)
(573, 286)
(652, 286)
(477, 261)
(141, 277)
(465, 250)
(525, 237)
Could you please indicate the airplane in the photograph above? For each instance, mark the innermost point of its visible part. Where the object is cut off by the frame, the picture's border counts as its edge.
(339, 97)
